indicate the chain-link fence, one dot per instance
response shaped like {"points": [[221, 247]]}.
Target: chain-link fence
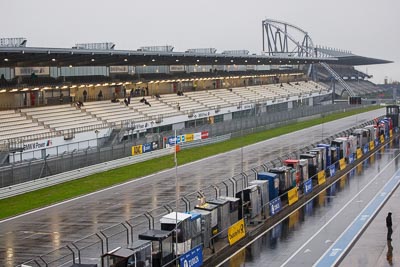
{"points": [[242, 123]]}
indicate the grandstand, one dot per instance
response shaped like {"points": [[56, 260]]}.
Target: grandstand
{"points": [[62, 117], [15, 125], [35, 122], [356, 79]]}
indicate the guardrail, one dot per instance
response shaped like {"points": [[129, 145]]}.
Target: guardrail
{"points": [[207, 141], [26, 187], [47, 181]]}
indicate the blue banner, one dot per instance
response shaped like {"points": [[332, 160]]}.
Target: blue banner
{"points": [[147, 147], [171, 140], [351, 158], [332, 170], [376, 142], [308, 186], [366, 149], [275, 206], [192, 258]]}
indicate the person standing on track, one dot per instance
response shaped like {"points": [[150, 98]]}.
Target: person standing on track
{"points": [[389, 226]]}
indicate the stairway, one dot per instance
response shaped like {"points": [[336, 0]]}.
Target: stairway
{"points": [[338, 78]]}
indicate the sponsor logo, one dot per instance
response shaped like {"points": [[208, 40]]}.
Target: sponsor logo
{"points": [[38, 145]]}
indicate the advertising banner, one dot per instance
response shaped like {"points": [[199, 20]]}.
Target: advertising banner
{"points": [[351, 158], [171, 140], [189, 137], [293, 196], [391, 133], [382, 139], [236, 232], [176, 68], [154, 145], [342, 164], [204, 135], [359, 153], [118, 69], [197, 136], [275, 206], [371, 145], [376, 142], [308, 186], [136, 150], [181, 139], [147, 147], [192, 258], [27, 71], [321, 177], [366, 149], [332, 170]]}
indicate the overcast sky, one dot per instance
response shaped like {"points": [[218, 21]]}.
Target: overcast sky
{"points": [[365, 27]]}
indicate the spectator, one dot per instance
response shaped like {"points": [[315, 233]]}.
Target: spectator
{"points": [[147, 103], [132, 92], [389, 226], [84, 95], [147, 90], [126, 101], [129, 100], [61, 98], [178, 107], [100, 95], [143, 100], [79, 104], [158, 95]]}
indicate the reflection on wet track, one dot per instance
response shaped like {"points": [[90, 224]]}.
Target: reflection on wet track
{"points": [[304, 236]]}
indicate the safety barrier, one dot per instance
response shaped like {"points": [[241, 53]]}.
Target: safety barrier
{"points": [[206, 141], [79, 173]]}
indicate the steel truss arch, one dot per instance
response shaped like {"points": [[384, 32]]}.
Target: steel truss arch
{"points": [[285, 39]]}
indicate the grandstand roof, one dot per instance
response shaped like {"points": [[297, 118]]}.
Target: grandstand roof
{"points": [[354, 60], [32, 56]]}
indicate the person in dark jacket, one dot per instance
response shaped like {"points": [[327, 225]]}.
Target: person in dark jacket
{"points": [[389, 226]]}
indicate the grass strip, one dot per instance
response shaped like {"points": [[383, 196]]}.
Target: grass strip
{"points": [[43, 197]]}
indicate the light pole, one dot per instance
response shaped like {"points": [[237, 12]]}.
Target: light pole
{"points": [[176, 199], [97, 137]]}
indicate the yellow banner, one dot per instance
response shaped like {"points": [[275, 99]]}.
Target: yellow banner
{"points": [[382, 139], [321, 177], [359, 153], [371, 145], [136, 150], [236, 232], [293, 196], [189, 137], [342, 164], [391, 133]]}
